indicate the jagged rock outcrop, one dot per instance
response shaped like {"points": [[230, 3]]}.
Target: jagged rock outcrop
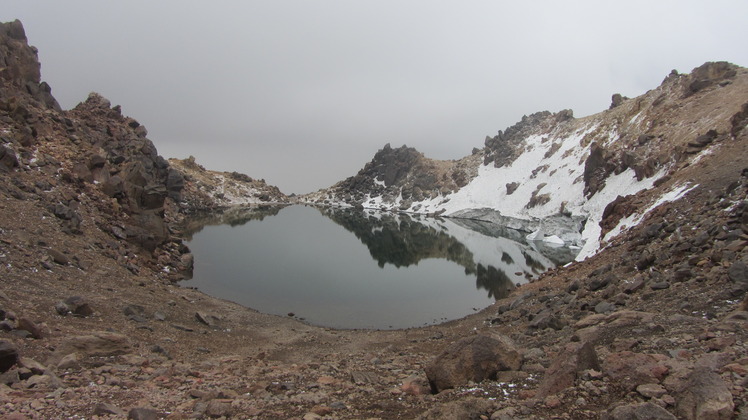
{"points": [[505, 147], [20, 66], [399, 177], [90, 166]]}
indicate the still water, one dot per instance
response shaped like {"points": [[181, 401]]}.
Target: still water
{"points": [[357, 269]]}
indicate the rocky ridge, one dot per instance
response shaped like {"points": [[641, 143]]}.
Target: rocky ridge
{"points": [[206, 190], [402, 176], [92, 325]]}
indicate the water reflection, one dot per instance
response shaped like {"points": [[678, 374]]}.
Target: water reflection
{"points": [[395, 271], [403, 239], [399, 239], [232, 216]]}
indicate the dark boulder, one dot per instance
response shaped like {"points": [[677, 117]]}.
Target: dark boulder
{"points": [[141, 413], [8, 159], [709, 74], [78, 305], [616, 100], [596, 170], [472, 359], [738, 273], [8, 355]]}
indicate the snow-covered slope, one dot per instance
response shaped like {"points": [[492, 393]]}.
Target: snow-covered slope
{"points": [[558, 173]]}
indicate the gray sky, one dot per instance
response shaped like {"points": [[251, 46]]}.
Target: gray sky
{"points": [[303, 93]]}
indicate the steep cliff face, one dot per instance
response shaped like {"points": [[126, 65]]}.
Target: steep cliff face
{"points": [[552, 166], [90, 167]]}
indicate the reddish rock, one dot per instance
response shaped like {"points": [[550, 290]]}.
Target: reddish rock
{"points": [[321, 410], [414, 385], [29, 325], [567, 366], [633, 369], [552, 401], [102, 343], [736, 368], [720, 343]]}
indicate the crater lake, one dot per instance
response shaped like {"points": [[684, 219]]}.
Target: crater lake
{"points": [[353, 268]]}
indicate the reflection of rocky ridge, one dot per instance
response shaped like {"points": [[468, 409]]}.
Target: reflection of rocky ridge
{"points": [[232, 216], [401, 240]]}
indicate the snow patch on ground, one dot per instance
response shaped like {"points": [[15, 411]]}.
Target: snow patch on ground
{"points": [[636, 218], [622, 184], [558, 175]]}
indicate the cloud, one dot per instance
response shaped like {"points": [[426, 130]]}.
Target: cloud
{"points": [[303, 93]]}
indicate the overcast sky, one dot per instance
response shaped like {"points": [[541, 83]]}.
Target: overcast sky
{"points": [[303, 93]]}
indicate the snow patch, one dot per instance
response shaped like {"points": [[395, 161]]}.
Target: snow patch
{"points": [[622, 184], [553, 240], [636, 218]]}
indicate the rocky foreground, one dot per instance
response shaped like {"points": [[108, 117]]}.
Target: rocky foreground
{"points": [[93, 325]]}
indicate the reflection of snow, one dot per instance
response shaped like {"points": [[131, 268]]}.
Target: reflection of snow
{"points": [[553, 240], [539, 235], [515, 259], [536, 236]]}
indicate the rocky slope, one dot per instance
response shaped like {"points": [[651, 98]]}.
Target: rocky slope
{"points": [[90, 168], [206, 190], [92, 325], [567, 170]]}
